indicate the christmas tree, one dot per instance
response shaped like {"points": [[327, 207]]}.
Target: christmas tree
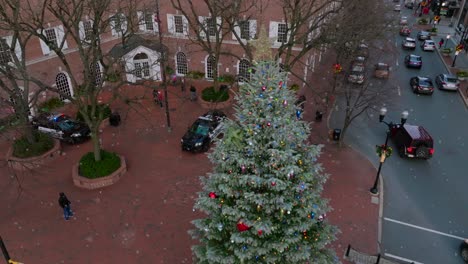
{"points": [[262, 199]]}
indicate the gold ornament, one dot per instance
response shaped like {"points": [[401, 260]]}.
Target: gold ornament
{"points": [[259, 207], [299, 162], [282, 143]]}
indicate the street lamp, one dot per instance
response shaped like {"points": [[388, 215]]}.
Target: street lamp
{"points": [[448, 37], [455, 58], [391, 126]]}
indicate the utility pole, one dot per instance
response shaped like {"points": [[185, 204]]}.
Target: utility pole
{"points": [[162, 63]]}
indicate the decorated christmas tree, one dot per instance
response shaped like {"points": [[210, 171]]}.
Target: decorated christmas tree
{"points": [[263, 199]]}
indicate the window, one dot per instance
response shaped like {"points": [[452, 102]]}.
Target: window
{"points": [[118, 24], [149, 21], [88, 30], [50, 35], [63, 86], [95, 71], [5, 55], [282, 30], [55, 38], [181, 63], [141, 64], [178, 24], [244, 73], [210, 61], [244, 29], [210, 23]]}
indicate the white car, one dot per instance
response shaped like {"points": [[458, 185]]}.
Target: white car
{"points": [[404, 20], [428, 45], [409, 43], [397, 8]]}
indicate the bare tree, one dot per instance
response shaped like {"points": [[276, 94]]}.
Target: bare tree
{"points": [[353, 39], [94, 62]]}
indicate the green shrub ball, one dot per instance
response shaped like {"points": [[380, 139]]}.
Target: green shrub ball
{"points": [[92, 169], [209, 94], [23, 149]]}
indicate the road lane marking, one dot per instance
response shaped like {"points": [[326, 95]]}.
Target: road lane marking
{"points": [[399, 91], [402, 259], [423, 228]]}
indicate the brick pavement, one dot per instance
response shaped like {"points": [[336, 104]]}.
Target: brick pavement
{"points": [[144, 218]]}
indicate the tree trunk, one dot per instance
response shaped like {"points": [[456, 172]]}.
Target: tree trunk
{"points": [[95, 137], [26, 127], [344, 130]]}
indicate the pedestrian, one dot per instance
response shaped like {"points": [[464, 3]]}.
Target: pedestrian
{"points": [[160, 98], [65, 204], [182, 84], [174, 79], [441, 42], [193, 93]]}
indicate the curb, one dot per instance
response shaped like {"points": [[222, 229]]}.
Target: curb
{"points": [[465, 100]]}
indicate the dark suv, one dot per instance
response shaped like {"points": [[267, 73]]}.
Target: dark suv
{"points": [[413, 141]]}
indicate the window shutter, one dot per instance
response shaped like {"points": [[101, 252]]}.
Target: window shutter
{"points": [[202, 25], [141, 21], [155, 23], [61, 37], [81, 31], [218, 25], [112, 25], [237, 30], [252, 28], [124, 23], [170, 24], [186, 25], [45, 49], [273, 33], [18, 51]]}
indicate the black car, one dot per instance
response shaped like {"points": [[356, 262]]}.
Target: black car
{"points": [[423, 35], [413, 141], [62, 127], [203, 131], [413, 61], [422, 85]]}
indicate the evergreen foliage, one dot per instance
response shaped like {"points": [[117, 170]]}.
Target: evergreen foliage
{"points": [[263, 199]]}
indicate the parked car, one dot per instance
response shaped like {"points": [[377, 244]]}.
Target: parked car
{"points": [[62, 127], [423, 35], [409, 4], [413, 141], [405, 31], [203, 131], [413, 61], [422, 85], [382, 70], [447, 82], [397, 8], [363, 50], [356, 74], [428, 45], [403, 20], [408, 43]]}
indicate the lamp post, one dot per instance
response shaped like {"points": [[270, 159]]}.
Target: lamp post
{"points": [[391, 126], [455, 58], [448, 38]]}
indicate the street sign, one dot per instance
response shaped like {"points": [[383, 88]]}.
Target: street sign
{"points": [[436, 18], [459, 48]]}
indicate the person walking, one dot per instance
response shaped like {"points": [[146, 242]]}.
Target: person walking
{"points": [[65, 204], [193, 93], [441, 42], [158, 97]]}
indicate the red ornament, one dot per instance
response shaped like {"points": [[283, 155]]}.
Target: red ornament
{"points": [[281, 83], [268, 124], [260, 232], [242, 227], [273, 183], [212, 195], [263, 88]]}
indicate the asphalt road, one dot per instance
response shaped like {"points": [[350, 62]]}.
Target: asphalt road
{"points": [[425, 210]]}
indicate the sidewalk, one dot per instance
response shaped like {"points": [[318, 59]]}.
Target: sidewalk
{"points": [[144, 218]]}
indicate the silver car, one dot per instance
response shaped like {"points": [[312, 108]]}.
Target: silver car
{"points": [[447, 82], [428, 45]]}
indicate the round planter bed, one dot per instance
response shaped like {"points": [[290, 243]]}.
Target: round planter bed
{"points": [[100, 182], [217, 105], [33, 162]]}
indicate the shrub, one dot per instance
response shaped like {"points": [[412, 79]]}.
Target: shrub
{"points": [[92, 169], [211, 95], [422, 21], [462, 74], [101, 107], [113, 77], [227, 78], [447, 50], [23, 149], [195, 74], [434, 30], [51, 104], [295, 87], [169, 71]]}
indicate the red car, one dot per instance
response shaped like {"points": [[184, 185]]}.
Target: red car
{"points": [[405, 31]]}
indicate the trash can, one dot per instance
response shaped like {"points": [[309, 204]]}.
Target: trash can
{"points": [[318, 115], [336, 134], [114, 119]]}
